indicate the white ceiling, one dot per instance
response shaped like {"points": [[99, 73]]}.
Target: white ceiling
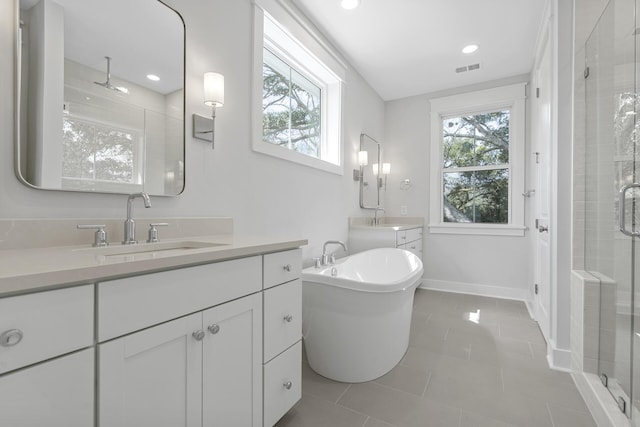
{"points": [[142, 37], [409, 47]]}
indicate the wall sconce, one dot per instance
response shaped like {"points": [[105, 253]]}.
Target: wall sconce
{"points": [[363, 160], [386, 170], [204, 127]]}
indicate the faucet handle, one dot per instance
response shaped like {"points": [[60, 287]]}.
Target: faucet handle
{"points": [[332, 259], [153, 231], [100, 237], [316, 262]]}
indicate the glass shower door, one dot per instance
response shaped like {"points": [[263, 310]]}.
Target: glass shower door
{"points": [[610, 204]]}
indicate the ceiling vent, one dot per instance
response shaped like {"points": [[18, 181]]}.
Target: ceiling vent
{"points": [[468, 68]]}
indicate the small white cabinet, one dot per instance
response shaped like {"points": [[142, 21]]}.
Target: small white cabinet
{"points": [[49, 335], [362, 238], [198, 370]]}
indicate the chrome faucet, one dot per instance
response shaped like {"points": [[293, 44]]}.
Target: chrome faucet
{"points": [[326, 259], [376, 220], [129, 224]]}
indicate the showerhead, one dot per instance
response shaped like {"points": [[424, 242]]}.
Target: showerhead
{"points": [[107, 84]]}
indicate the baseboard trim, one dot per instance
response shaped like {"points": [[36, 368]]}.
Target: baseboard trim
{"points": [[474, 289], [558, 358], [603, 408]]}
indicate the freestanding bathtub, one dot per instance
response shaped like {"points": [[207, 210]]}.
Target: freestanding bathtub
{"points": [[356, 313]]}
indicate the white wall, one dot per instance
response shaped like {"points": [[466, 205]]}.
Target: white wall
{"points": [[490, 265], [264, 195]]}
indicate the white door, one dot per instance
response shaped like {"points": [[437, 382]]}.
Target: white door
{"points": [[153, 378], [541, 163], [232, 364], [58, 393]]}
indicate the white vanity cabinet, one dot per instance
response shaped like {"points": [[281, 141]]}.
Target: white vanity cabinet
{"points": [[198, 370], [46, 359], [362, 238], [282, 334], [214, 344]]}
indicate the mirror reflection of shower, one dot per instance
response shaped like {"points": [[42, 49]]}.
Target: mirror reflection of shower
{"points": [[107, 84]]}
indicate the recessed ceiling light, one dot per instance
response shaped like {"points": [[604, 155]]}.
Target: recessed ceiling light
{"points": [[470, 48], [153, 77], [350, 4]]}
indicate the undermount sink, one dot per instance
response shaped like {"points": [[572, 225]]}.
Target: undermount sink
{"points": [[141, 248]]}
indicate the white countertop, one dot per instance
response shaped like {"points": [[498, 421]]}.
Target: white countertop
{"points": [[38, 269], [396, 227]]}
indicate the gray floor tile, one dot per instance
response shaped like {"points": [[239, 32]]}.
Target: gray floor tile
{"points": [[311, 411], [472, 362], [405, 378], [469, 419], [319, 386], [523, 330], [564, 417], [372, 422], [397, 407]]}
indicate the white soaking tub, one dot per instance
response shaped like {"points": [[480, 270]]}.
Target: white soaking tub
{"points": [[356, 313]]}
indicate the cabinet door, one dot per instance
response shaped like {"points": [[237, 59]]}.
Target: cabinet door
{"points": [[58, 393], [153, 378], [232, 364]]}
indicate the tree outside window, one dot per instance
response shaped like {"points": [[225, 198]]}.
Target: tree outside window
{"points": [[291, 113], [475, 168]]}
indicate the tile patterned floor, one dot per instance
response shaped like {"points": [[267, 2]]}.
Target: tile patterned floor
{"points": [[472, 362]]}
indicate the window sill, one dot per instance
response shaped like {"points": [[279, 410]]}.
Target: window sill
{"points": [[478, 229], [295, 157]]}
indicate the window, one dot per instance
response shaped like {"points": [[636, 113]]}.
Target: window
{"points": [[477, 140], [297, 91]]}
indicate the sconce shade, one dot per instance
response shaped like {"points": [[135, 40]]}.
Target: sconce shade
{"points": [[363, 158], [375, 169], [386, 168], [214, 89]]}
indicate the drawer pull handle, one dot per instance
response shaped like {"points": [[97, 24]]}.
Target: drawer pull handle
{"points": [[214, 329], [403, 237], [287, 385], [287, 267], [288, 318], [198, 335], [11, 337]]}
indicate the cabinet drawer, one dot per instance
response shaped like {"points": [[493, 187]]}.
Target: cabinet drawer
{"points": [[56, 393], [134, 303], [282, 384], [43, 325], [413, 234], [282, 267], [414, 247], [282, 318], [406, 236]]}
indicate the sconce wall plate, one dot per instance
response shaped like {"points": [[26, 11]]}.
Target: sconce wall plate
{"points": [[203, 128]]}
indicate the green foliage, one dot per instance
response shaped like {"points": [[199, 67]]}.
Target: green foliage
{"points": [[291, 113], [472, 194], [96, 152]]}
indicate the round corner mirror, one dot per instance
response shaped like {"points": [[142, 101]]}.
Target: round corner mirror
{"points": [[100, 96]]}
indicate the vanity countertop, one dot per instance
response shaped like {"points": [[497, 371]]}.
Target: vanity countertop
{"points": [[38, 269], [396, 227], [386, 223]]}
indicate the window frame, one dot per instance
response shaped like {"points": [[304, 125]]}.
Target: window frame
{"points": [[280, 30], [510, 98]]}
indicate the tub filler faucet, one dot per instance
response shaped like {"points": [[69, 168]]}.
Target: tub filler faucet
{"points": [[330, 259], [129, 224]]}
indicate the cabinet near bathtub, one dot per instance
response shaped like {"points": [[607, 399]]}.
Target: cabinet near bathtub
{"points": [[214, 344], [364, 238]]}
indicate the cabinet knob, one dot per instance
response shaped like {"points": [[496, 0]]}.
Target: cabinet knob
{"points": [[287, 385], [198, 335], [11, 337], [288, 318], [287, 267], [214, 329]]}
